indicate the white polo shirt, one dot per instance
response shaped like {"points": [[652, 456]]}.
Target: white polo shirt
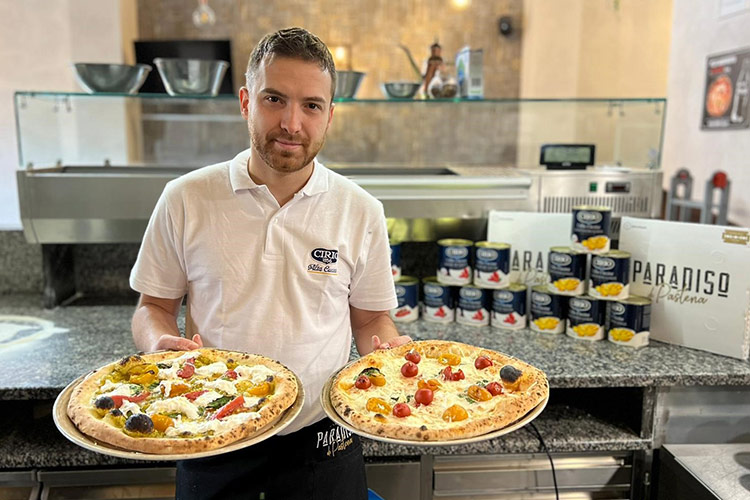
{"points": [[276, 281]]}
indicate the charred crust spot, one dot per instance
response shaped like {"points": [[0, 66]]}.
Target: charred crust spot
{"points": [[347, 411], [423, 428], [419, 434]]}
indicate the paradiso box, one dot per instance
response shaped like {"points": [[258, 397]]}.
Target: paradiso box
{"points": [[698, 279], [532, 234]]}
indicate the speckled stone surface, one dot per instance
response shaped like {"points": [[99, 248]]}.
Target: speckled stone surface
{"points": [[33, 372], [723, 468], [99, 334], [20, 264]]}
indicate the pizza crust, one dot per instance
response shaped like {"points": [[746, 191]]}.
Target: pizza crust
{"points": [[81, 411], [422, 425]]}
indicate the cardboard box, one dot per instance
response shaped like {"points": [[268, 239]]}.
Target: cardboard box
{"points": [[469, 73], [530, 235], [698, 279]]}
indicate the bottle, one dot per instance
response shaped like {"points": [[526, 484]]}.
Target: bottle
{"points": [[429, 84], [740, 106]]}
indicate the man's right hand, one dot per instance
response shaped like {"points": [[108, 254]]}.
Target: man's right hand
{"points": [[175, 343]]}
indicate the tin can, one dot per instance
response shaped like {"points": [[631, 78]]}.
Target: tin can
{"points": [[491, 264], [473, 306], [629, 320], [586, 317], [438, 301], [408, 306], [547, 311], [396, 261], [509, 307], [567, 271], [610, 275], [591, 228], [454, 267]]}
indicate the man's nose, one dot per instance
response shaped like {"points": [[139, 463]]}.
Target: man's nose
{"points": [[291, 121]]}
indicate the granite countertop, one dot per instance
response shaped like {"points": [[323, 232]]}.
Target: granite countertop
{"points": [[38, 362], [41, 359], [724, 469]]}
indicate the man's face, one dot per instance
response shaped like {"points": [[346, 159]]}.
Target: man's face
{"points": [[288, 111]]}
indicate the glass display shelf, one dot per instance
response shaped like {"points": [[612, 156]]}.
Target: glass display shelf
{"points": [[157, 130]]}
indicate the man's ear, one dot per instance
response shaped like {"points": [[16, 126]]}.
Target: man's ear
{"points": [[330, 113], [244, 102]]}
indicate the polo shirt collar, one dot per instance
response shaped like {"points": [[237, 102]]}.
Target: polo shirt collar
{"points": [[240, 179]]}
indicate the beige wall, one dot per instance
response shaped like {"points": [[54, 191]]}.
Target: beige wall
{"points": [[38, 41], [602, 48], [410, 133], [372, 28], [594, 49]]}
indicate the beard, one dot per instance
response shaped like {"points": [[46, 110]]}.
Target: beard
{"points": [[285, 161]]}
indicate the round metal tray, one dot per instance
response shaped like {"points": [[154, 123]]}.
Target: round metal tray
{"points": [[325, 399], [70, 431]]}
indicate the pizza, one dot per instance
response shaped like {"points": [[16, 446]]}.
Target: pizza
{"points": [[436, 390], [181, 402], [719, 96]]}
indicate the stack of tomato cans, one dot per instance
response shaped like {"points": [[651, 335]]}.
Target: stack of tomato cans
{"points": [[589, 286]]}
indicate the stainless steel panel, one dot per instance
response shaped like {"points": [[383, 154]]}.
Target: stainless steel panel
{"points": [[145, 475], [560, 191], [702, 415], [113, 204], [394, 481], [519, 474]]}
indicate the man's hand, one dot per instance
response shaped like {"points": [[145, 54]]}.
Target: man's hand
{"points": [[394, 342], [174, 343]]}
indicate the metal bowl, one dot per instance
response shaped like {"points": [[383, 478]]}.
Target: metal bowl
{"points": [[347, 83], [116, 78], [400, 90], [183, 77]]}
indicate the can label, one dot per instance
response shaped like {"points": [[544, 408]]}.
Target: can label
{"points": [[454, 267], [567, 271], [548, 311], [492, 266], [586, 318], [408, 307], [396, 261], [628, 323], [509, 308], [438, 302], [610, 276], [591, 229], [473, 306]]}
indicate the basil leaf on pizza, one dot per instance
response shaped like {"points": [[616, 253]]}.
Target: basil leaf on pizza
{"points": [[436, 390], [179, 402]]}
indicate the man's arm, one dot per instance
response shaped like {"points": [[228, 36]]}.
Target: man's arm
{"points": [[154, 326], [374, 330]]}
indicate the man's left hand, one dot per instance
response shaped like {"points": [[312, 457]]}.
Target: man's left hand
{"points": [[394, 342]]}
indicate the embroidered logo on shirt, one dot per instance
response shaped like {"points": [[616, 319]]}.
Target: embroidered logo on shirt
{"points": [[324, 261]]}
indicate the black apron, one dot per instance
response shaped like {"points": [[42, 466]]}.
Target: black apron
{"points": [[319, 462]]}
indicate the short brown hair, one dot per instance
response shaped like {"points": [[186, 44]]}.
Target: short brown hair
{"points": [[295, 43]]}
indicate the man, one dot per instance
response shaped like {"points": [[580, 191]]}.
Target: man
{"points": [[278, 256]]}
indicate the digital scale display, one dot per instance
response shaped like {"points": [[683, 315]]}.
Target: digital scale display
{"points": [[567, 156]]}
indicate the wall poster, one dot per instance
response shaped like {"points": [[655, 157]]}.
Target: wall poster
{"points": [[726, 103]]}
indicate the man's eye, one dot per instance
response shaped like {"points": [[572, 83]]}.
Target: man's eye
{"points": [[273, 98], [312, 105]]}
